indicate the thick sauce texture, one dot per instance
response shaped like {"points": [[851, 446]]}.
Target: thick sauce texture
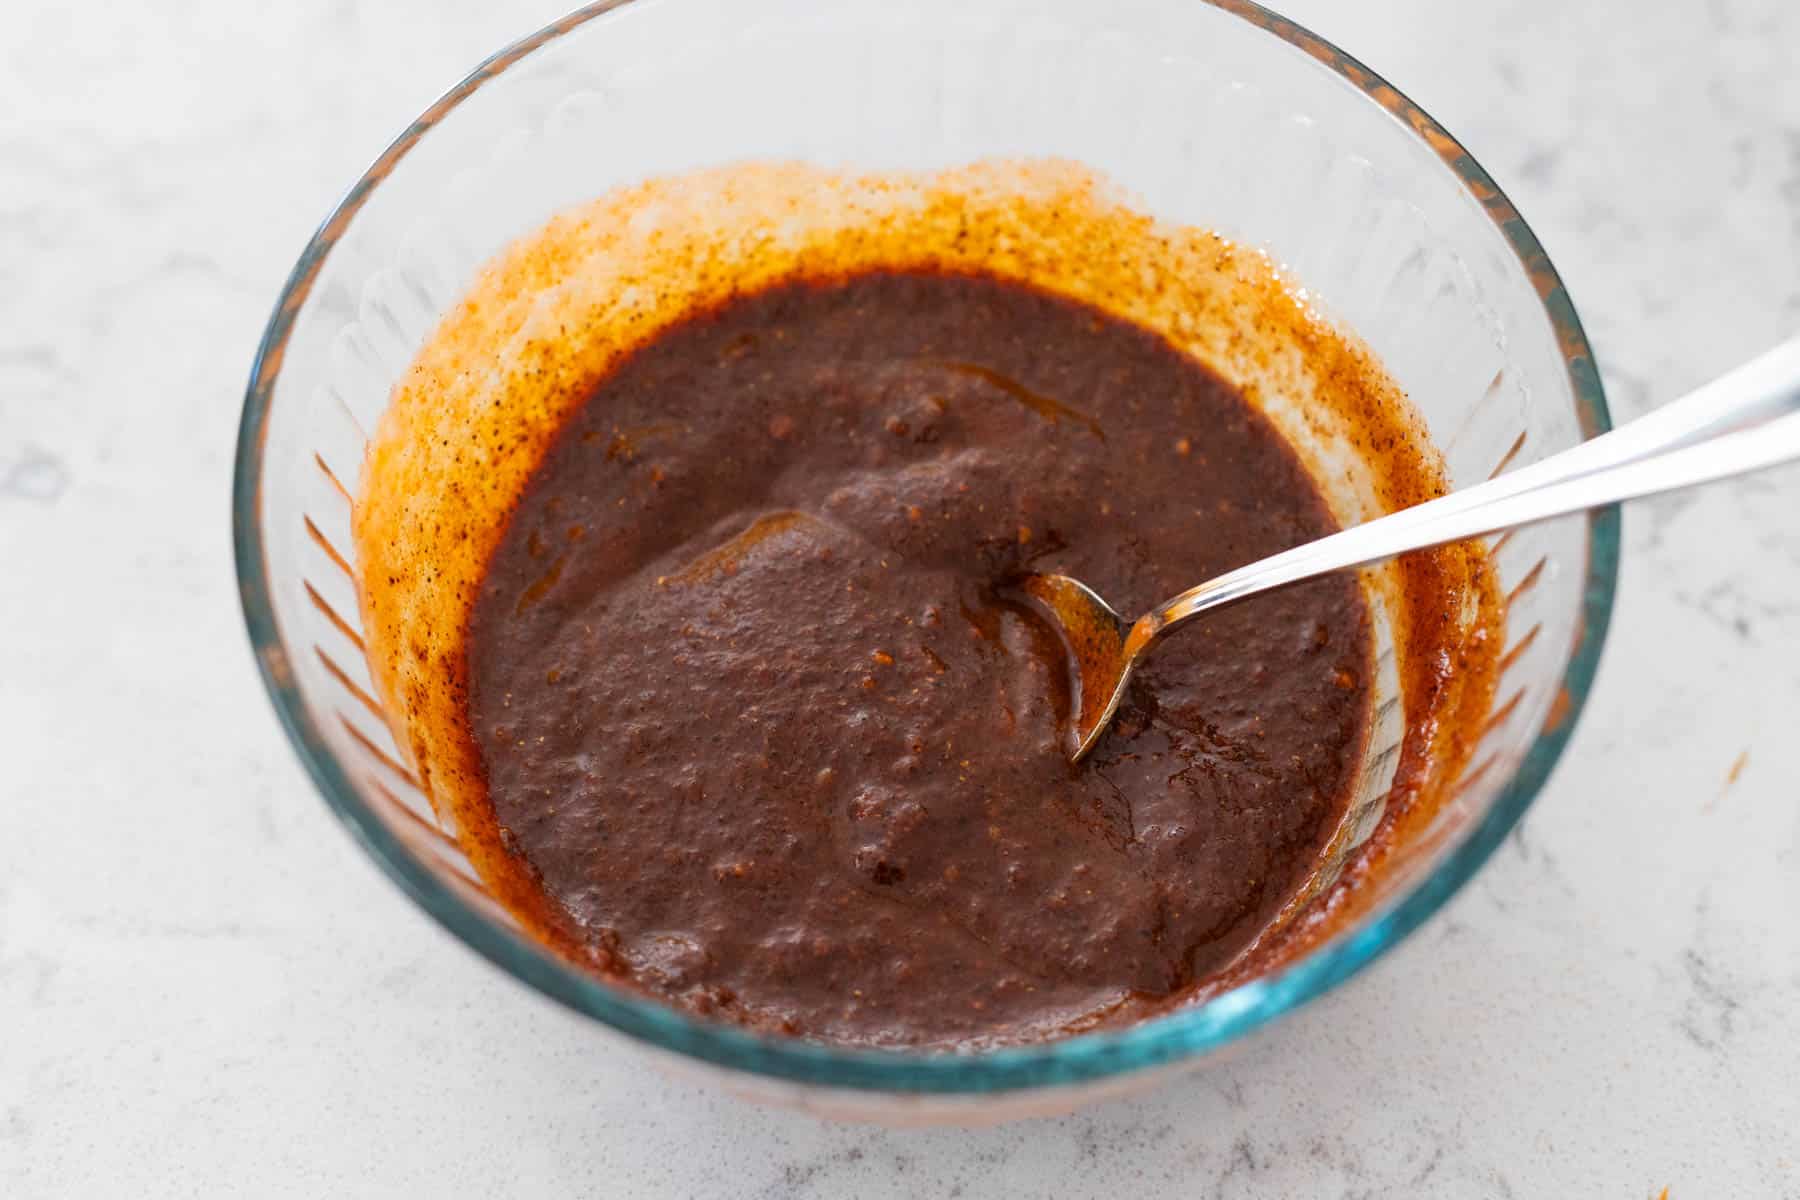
{"points": [[683, 554], [759, 707]]}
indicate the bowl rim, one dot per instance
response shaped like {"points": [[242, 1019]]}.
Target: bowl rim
{"points": [[1087, 1057]]}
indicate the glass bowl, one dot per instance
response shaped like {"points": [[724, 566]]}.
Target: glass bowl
{"points": [[1218, 114]]}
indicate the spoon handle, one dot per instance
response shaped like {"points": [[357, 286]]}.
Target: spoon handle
{"points": [[1743, 421]]}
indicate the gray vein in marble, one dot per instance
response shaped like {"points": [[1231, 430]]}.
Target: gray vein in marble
{"points": [[35, 475]]}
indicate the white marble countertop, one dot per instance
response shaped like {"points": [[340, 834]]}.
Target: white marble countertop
{"points": [[206, 989]]}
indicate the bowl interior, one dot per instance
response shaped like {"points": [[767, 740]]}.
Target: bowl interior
{"points": [[1213, 114]]}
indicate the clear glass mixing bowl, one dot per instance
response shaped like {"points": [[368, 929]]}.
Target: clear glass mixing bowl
{"points": [[1218, 114]]}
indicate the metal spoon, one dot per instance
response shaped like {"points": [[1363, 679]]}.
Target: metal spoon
{"points": [[1743, 421]]}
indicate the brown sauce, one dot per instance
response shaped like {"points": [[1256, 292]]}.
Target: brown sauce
{"points": [[685, 551], [756, 705]]}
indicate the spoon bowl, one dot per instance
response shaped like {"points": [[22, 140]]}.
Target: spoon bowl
{"points": [[1096, 639]]}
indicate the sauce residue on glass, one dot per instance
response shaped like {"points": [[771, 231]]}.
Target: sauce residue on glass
{"points": [[724, 694]]}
